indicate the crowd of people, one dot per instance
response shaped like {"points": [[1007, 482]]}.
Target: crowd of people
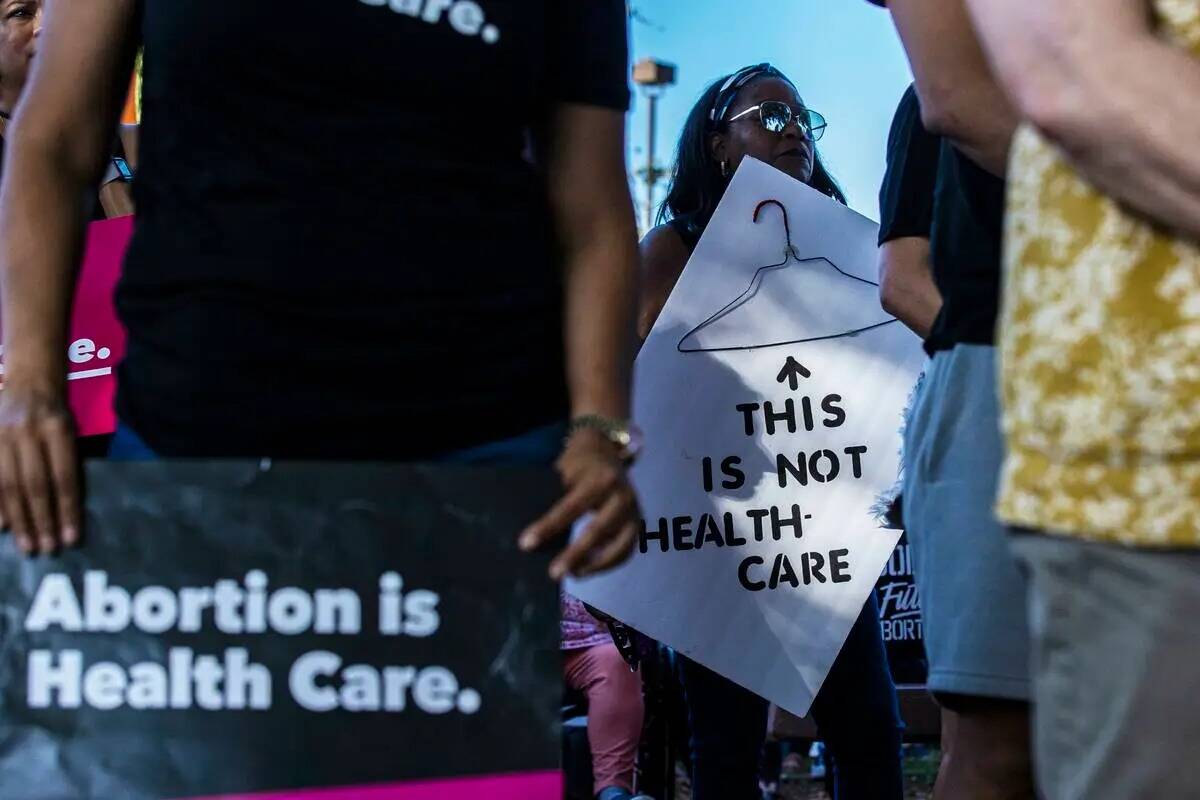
{"points": [[1040, 231]]}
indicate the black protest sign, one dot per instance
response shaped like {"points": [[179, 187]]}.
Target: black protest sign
{"points": [[900, 617], [234, 628]]}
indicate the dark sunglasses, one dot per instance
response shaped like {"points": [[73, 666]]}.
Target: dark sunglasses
{"points": [[775, 116]]}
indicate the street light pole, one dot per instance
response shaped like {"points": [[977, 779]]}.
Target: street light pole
{"points": [[654, 77], [652, 172]]}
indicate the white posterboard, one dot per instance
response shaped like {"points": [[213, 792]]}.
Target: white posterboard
{"points": [[765, 367]]}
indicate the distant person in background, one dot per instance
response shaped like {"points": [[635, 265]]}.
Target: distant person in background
{"points": [[335, 264], [20, 31], [975, 632], [1101, 353], [593, 665], [758, 112], [20, 26]]}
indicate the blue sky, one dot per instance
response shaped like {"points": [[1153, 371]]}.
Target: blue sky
{"points": [[842, 54]]}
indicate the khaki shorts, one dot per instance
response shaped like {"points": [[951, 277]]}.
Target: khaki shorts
{"points": [[1116, 669]]}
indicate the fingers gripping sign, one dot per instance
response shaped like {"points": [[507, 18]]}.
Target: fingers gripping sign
{"points": [[39, 478], [595, 481]]}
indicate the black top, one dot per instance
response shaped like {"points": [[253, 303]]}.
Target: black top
{"points": [[686, 231], [906, 196], [968, 223], [342, 249], [932, 189]]}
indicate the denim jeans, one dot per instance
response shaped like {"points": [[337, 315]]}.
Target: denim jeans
{"points": [[126, 445], [856, 711]]}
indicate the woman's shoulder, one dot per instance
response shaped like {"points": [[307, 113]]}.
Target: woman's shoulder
{"points": [[664, 237], [664, 255], [676, 235], [665, 251], [688, 229]]}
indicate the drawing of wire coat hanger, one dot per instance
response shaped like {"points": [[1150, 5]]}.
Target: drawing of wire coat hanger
{"points": [[857, 297]]}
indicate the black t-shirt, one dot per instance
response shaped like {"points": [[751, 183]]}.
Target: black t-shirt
{"points": [[342, 248], [909, 184], [968, 222], [932, 189]]}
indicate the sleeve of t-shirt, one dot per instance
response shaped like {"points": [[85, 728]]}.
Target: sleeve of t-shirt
{"points": [[906, 197], [590, 47]]}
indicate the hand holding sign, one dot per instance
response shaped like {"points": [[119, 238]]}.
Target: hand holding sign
{"points": [[595, 480], [39, 484]]}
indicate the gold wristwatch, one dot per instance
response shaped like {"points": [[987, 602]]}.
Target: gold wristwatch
{"points": [[622, 433]]}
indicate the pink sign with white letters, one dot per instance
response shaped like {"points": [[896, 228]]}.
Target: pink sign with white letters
{"points": [[96, 342]]}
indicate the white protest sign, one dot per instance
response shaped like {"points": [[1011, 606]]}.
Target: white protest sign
{"points": [[771, 392]]}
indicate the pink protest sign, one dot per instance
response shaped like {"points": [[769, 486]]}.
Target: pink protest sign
{"points": [[522, 786], [97, 341]]}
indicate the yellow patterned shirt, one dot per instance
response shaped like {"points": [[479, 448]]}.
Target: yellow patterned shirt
{"points": [[1100, 349]]}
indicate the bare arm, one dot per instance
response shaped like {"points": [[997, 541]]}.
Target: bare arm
{"points": [[58, 145], [664, 256], [1123, 104], [960, 97], [129, 143], [116, 197], [906, 287], [589, 192]]}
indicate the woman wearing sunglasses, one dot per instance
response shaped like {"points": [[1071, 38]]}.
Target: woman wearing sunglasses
{"points": [[757, 112]]}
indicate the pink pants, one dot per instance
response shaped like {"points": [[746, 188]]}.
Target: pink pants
{"points": [[615, 711]]}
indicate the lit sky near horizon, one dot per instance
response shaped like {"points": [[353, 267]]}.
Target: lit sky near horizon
{"points": [[843, 55]]}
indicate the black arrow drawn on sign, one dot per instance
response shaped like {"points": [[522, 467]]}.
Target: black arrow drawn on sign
{"points": [[792, 372]]}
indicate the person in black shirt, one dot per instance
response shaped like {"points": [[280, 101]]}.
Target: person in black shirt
{"points": [[856, 710], [972, 596], [336, 263], [906, 287]]}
